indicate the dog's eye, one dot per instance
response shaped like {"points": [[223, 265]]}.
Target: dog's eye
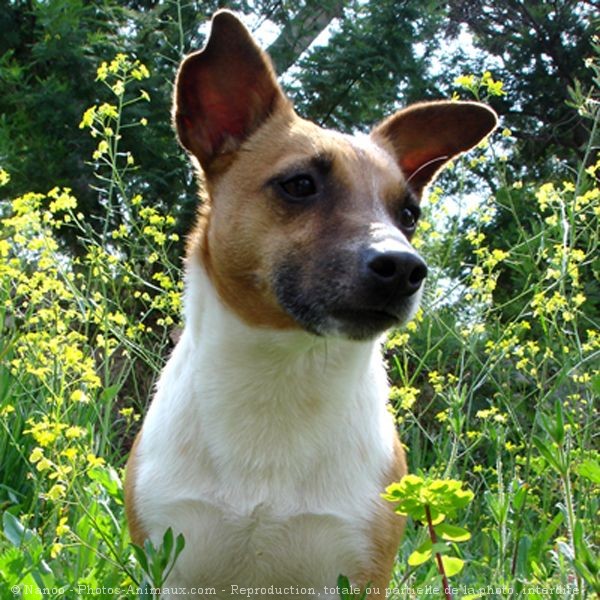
{"points": [[299, 187], [409, 216]]}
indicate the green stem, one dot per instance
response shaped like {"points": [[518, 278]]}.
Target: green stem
{"points": [[566, 482]]}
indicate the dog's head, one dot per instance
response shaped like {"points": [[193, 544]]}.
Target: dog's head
{"points": [[306, 227]]}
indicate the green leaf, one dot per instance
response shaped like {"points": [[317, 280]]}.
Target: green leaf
{"points": [[519, 497], [596, 384], [522, 562], [422, 554], [582, 549], [452, 533], [108, 478], [590, 469], [34, 591], [15, 531], [559, 430], [109, 393], [552, 459], [141, 557], [541, 540], [452, 565], [179, 545], [344, 588], [167, 547]]}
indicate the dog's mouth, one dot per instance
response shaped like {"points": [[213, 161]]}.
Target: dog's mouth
{"points": [[366, 317], [348, 305], [367, 323]]}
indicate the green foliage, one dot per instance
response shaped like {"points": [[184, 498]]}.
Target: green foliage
{"points": [[414, 494], [536, 49], [349, 592], [157, 563], [367, 66], [432, 501]]}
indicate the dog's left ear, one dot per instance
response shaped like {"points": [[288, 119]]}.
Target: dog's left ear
{"points": [[425, 136]]}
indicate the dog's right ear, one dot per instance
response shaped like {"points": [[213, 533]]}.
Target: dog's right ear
{"points": [[224, 92]]}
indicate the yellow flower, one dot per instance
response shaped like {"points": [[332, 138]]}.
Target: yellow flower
{"points": [[102, 72], [43, 465], [94, 461], [63, 201], [406, 396], [57, 491], [118, 62], [55, 549], [101, 150], [62, 528], [88, 117], [6, 410], [70, 453], [546, 195], [119, 88], [486, 413], [140, 72], [74, 432], [108, 110], [79, 396], [466, 81], [4, 177], [495, 88], [61, 472], [118, 318], [442, 416], [36, 455]]}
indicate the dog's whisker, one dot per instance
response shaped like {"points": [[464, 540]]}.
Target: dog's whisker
{"points": [[440, 159]]}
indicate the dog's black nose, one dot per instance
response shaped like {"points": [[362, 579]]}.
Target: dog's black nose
{"points": [[396, 272]]}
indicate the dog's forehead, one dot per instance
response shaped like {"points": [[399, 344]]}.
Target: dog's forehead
{"points": [[368, 150]]}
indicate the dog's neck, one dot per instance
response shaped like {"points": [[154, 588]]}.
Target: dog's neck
{"points": [[250, 391], [213, 327]]}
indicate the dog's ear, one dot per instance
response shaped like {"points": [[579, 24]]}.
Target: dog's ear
{"points": [[224, 91], [425, 136]]}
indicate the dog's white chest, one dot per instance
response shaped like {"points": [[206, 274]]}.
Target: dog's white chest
{"points": [[278, 556], [269, 464]]}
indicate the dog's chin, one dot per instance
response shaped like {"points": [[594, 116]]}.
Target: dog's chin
{"points": [[363, 324], [354, 323], [357, 324]]}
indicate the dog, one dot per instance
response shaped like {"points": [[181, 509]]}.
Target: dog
{"points": [[268, 442]]}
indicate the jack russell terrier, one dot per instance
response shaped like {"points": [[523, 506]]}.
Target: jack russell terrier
{"points": [[269, 442]]}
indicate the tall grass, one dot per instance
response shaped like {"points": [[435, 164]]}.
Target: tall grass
{"points": [[495, 388]]}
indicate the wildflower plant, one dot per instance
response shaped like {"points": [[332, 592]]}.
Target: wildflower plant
{"points": [[506, 344], [82, 340], [431, 502]]}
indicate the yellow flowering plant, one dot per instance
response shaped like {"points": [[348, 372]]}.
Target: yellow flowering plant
{"points": [[475, 380], [81, 340]]}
